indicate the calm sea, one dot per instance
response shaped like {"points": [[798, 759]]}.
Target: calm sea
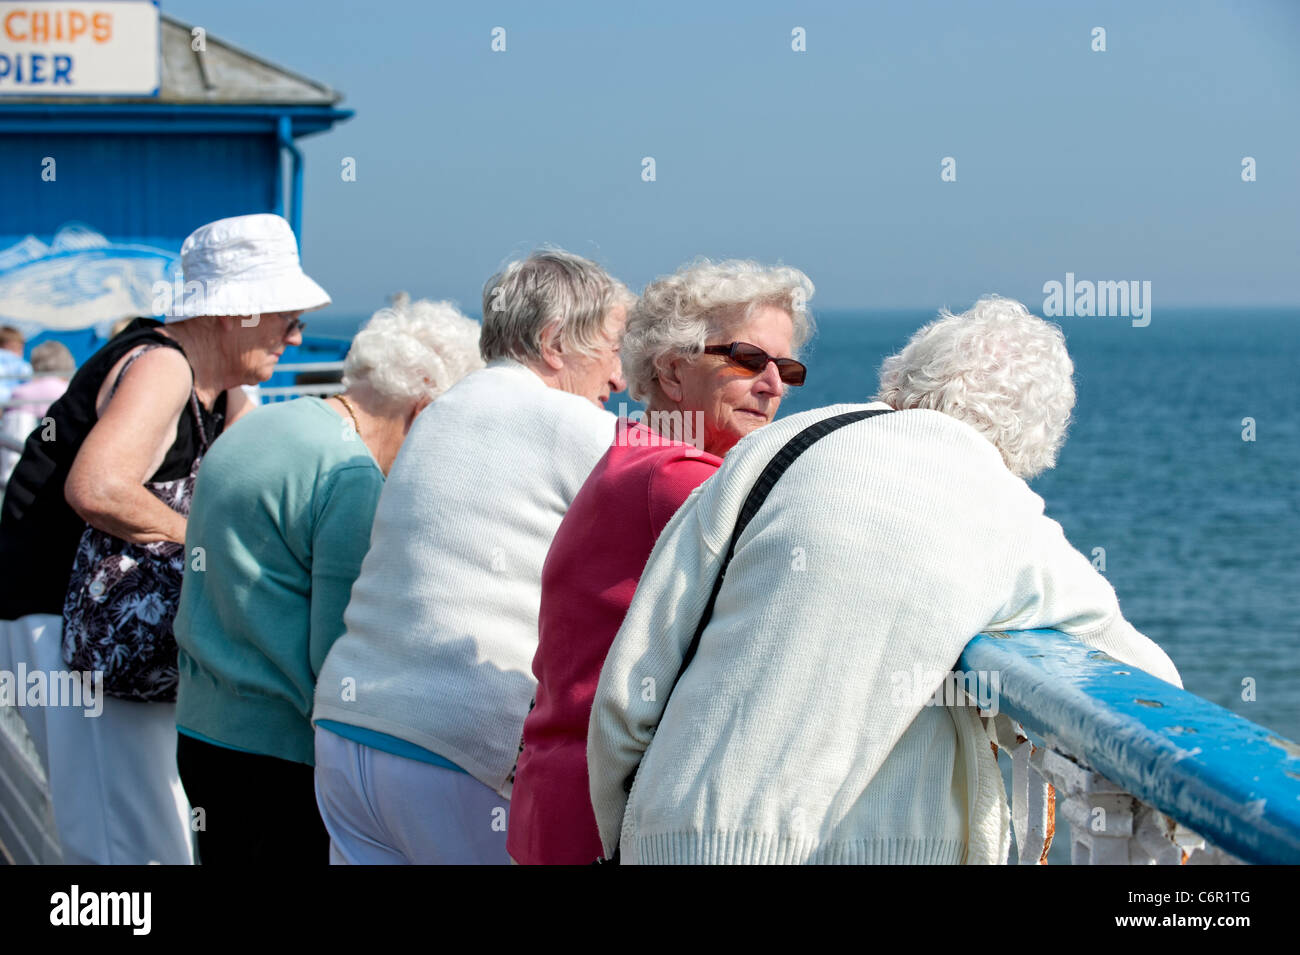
{"points": [[1200, 528]]}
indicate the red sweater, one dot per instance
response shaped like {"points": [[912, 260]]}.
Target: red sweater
{"points": [[588, 580]]}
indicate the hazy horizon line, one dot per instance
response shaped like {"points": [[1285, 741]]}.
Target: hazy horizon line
{"points": [[868, 309]]}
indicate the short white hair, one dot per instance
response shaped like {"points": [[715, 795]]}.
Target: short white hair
{"points": [[1000, 369], [549, 288], [677, 314], [53, 358], [413, 350]]}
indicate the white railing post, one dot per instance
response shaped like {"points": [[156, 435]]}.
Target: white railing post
{"points": [[1113, 742], [1033, 803], [1108, 826]]}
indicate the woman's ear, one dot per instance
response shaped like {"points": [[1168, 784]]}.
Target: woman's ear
{"points": [[552, 352], [670, 381]]}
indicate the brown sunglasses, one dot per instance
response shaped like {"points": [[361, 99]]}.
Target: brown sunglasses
{"points": [[753, 358]]}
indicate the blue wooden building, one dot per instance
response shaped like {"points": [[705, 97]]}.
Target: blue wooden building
{"points": [[97, 192]]}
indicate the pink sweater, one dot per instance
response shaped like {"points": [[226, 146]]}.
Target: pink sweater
{"points": [[41, 392], [588, 580]]}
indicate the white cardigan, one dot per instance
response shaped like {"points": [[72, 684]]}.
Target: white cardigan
{"points": [[887, 545], [442, 624]]}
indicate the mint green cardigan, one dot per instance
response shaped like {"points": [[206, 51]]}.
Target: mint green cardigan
{"points": [[278, 527]]}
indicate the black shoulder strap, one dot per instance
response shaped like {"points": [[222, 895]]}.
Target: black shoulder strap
{"points": [[757, 495], [779, 464], [161, 341]]}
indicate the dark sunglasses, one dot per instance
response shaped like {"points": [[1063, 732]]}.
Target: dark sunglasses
{"points": [[753, 358], [296, 325]]}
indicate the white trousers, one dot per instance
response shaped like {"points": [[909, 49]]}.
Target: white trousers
{"points": [[113, 781], [382, 809]]}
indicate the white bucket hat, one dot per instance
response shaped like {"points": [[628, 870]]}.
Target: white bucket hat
{"points": [[245, 265]]}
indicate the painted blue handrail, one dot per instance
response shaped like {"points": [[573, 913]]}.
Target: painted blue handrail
{"points": [[1233, 782]]}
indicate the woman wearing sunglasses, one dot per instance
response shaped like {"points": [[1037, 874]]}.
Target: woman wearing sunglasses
{"points": [[711, 351], [94, 522]]}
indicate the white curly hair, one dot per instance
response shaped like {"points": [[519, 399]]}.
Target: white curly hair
{"points": [[998, 368], [678, 313], [413, 350]]}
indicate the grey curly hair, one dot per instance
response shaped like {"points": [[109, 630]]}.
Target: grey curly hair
{"points": [[413, 350], [677, 313], [1000, 369]]}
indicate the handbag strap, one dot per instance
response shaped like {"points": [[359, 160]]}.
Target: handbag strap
{"points": [[767, 479], [779, 464], [204, 441]]}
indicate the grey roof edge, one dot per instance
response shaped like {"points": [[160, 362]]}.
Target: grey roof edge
{"points": [[311, 93], [334, 97]]}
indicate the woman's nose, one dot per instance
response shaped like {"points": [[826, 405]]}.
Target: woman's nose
{"points": [[770, 378]]}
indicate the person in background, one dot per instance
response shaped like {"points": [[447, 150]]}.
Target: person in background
{"points": [[113, 475], [711, 350], [282, 512], [803, 729], [420, 704], [52, 366], [13, 369]]}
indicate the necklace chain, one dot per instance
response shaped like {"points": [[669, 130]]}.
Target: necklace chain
{"points": [[347, 406]]}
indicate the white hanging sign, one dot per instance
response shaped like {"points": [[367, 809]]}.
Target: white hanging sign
{"points": [[109, 48]]}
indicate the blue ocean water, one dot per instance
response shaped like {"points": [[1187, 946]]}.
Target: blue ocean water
{"points": [[1200, 528]]}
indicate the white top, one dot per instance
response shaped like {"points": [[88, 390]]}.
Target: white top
{"points": [[796, 734], [442, 625]]}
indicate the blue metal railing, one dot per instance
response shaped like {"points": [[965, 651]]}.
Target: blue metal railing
{"points": [[1235, 783]]}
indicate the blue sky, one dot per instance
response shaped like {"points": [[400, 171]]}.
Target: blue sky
{"points": [[1122, 165]]}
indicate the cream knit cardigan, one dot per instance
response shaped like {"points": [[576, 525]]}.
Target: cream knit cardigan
{"points": [[442, 625], [883, 549]]}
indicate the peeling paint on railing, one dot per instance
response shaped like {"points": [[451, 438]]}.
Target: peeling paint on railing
{"points": [[1126, 750]]}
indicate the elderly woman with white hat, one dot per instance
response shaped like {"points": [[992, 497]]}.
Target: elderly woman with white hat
{"points": [[282, 511], [93, 527]]}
